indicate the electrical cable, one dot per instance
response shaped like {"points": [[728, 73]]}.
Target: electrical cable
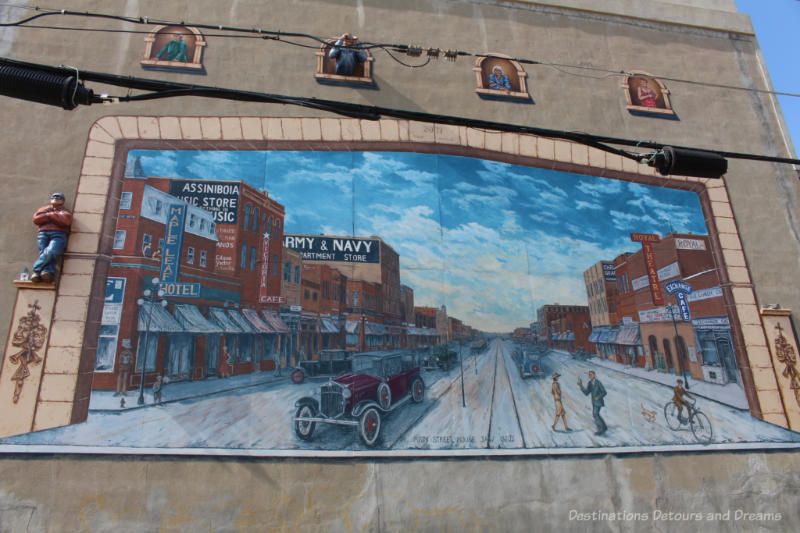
{"points": [[166, 89], [363, 45]]}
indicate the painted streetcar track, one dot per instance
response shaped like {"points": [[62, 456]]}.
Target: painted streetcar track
{"points": [[514, 401], [496, 348], [423, 412]]}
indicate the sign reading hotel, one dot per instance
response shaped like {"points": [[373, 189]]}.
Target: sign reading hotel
{"points": [[650, 263], [173, 242], [344, 249]]}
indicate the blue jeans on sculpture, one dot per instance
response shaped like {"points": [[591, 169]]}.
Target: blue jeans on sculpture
{"points": [[51, 246]]}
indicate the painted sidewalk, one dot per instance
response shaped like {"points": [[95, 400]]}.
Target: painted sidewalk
{"points": [[182, 390]]}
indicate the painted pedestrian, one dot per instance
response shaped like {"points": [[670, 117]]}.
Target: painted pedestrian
{"points": [[597, 392], [560, 413], [124, 370], [157, 388]]}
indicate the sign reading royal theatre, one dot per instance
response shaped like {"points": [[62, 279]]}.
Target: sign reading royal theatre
{"points": [[323, 248]]}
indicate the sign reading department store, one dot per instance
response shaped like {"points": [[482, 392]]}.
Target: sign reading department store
{"points": [[348, 250], [371, 280]]}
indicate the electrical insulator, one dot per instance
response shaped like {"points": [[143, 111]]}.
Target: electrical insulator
{"points": [[414, 51], [450, 55], [684, 162], [433, 52], [44, 87]]}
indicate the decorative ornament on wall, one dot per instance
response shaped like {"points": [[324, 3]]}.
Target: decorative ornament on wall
{"points": [[786, 356], [499, 77], [30, 336], [342, 61], [646, 94], [174, 48]]}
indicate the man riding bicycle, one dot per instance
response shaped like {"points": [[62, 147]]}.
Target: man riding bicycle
{"points": [[679, 398]]}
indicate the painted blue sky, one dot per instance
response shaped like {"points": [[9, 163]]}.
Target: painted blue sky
{"points": [[775, 23], [491, 241]]}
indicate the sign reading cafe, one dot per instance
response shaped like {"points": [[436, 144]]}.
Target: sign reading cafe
{"points": [[345, 249]]}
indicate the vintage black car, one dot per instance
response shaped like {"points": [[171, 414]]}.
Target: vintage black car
{"points": [[379, 383], [529, 362], [441, 357], [330, 363]]}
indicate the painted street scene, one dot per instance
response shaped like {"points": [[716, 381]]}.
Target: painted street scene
{"points": [[312, 302], [499, 408]]}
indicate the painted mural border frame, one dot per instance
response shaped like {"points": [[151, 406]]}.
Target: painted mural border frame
{"points": [[80, 292]]}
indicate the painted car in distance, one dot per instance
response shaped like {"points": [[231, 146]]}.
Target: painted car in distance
{"points": [[529, 362], [328, 363], [379, 383]]}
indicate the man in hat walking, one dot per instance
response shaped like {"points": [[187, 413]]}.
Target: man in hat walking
{"points": [[560, 413], [124, 370], [54, 222]]}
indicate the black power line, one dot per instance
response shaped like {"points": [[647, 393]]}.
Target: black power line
{"points": [[412, 51], [667, 159]]}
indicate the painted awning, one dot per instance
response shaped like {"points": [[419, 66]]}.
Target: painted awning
{"points": [[374, 328], [154, 318], [569, 336], [327, 326], [252, 316], [275, 321], [192, 321], [597, 333], [224, 320], [611, 338], [242, 322], [629, 335], [395, 330]]}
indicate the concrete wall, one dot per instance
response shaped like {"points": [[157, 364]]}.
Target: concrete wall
{"points": [[43, 150]]}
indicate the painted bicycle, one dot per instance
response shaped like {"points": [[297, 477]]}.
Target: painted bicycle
{"points": [[697, 421]]}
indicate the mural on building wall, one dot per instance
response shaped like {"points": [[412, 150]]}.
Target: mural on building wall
{"points": [[174, 48], [323, 302], [499, 77], [646, 94]]}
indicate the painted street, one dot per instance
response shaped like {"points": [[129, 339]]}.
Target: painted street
{"points": [[503, 410]]}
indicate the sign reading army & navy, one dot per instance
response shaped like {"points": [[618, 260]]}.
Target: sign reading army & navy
{"points": [[345, 249]]}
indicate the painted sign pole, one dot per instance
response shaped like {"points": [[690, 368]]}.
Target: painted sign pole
{"points": [[173, 243], [650, 263], [680, 289], [262, 289]]}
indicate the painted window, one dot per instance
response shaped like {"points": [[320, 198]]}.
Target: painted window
{"points": [[243, 259], [119, 239], [126, 200], [203, 258], [190, 255]]}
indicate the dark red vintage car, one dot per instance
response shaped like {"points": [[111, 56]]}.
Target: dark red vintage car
{"points": [[379, 383]]}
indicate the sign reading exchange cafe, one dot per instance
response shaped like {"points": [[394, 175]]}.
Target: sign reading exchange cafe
{"points": [[345, 249]]}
